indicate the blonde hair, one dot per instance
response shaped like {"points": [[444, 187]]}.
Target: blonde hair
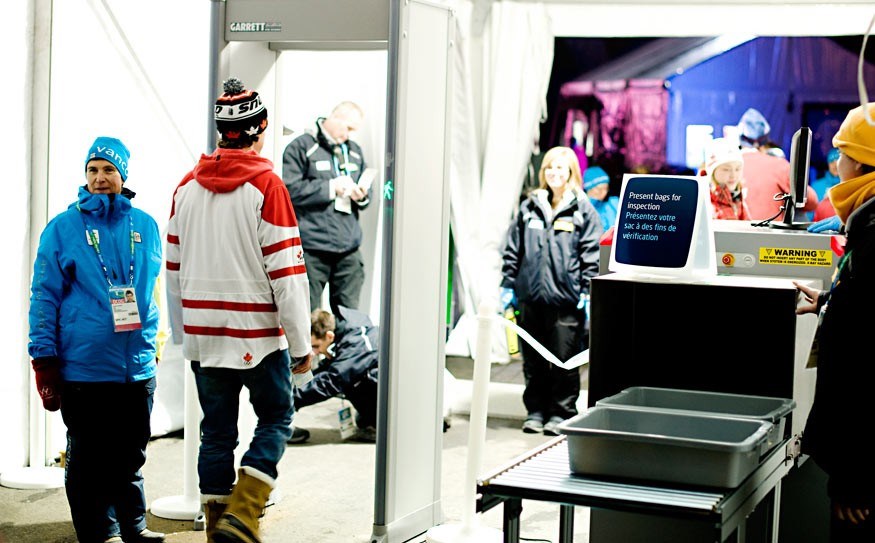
{"points": [[345, 109], [575, 180]]}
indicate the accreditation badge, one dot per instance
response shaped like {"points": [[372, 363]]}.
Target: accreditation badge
{"points": [[125, 313], [562, 225], [347, 425]]}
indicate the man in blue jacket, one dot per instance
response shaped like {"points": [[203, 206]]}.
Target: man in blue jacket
{"points": [[349, 341]]}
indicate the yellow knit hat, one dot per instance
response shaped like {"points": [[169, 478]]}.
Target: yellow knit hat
{"points": [[856, 137]]}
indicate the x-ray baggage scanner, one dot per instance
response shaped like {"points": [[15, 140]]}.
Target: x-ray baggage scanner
{"points": [[735, 331], [744, 249]]}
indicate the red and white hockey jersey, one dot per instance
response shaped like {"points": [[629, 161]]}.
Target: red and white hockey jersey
{"points": [[236, 280]]}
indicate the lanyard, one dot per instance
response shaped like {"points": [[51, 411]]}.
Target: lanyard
{"points": [[89, 232], [345, 152], [838, 272]]}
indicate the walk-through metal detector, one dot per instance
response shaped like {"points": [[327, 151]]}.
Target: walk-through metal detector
{"points": [[248, 37]]}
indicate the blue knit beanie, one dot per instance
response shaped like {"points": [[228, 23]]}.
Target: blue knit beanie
{"points": [[111, 150], [753, 127], [832, 155], [593, 177]]}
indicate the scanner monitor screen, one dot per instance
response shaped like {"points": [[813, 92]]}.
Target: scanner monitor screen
{"points": [[797, 192], [800, 160], [664, 227]]}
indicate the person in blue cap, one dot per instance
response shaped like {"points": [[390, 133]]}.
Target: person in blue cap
{"points": [[830, 177], [93, 345], [596, 183]]}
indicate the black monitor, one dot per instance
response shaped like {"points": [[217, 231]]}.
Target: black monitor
{"points": [[800, 159]]}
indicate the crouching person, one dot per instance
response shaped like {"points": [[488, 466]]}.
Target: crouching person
{"points": [[349, 341]]}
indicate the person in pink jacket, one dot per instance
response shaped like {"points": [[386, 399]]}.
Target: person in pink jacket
{"points": [[765, 175]]}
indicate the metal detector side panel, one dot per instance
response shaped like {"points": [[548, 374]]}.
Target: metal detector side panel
{"points": [[413, 323]]}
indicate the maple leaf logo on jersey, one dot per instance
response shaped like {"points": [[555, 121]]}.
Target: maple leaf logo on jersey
{"points": [[299, 256], [247, 359]]}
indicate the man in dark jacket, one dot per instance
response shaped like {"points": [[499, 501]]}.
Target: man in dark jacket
{"points": [[323, 173], [349, 342]]}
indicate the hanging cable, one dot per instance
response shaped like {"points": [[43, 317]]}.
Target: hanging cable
{"points": [[778, 197], [861, 83]]}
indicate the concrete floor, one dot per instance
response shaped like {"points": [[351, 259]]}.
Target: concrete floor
{"points": [[325, 487]]}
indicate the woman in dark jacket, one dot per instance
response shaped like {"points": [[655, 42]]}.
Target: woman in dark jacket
{"points": [[843, 407], [550, 256]]}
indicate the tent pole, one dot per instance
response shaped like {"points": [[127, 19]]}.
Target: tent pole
{"points": [[217, 43]]}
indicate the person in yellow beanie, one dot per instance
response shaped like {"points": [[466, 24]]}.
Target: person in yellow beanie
{"points": [[845, 373]]}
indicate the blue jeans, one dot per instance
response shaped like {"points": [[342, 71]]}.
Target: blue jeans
{"points": [[107, 433], [270, 393]]}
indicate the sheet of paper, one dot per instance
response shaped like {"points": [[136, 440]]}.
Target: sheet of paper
{"points": [[366, 179], [343, 204]]}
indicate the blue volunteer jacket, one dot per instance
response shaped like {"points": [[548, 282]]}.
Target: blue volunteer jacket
{"points": [[70, 314]]}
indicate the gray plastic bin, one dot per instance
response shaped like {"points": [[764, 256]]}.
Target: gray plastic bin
{"points": [[664, 446], [774, 410]]}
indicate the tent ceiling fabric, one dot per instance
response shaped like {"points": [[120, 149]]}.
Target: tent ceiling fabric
{"points": [[663, 58], [620, 18], [784, 77]]}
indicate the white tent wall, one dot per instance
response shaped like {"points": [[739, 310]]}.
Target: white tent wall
{"points": [[503, 66], [15, 242], [674, 18], [518, 59], [112, 73]]}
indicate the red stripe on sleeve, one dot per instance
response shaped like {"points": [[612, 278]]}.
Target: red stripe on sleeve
{"points": [[284, 272], [172, 239], [172, 266], [279, 246]]}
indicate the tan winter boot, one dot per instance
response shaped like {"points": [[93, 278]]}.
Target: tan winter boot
{"points": [[239, 523], [214, 506]]}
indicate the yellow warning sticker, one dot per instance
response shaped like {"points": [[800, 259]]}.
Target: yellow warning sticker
{"points": [[796, 257]]}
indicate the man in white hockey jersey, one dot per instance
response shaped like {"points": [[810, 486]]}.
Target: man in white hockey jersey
{"points": [[238, 292]]}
